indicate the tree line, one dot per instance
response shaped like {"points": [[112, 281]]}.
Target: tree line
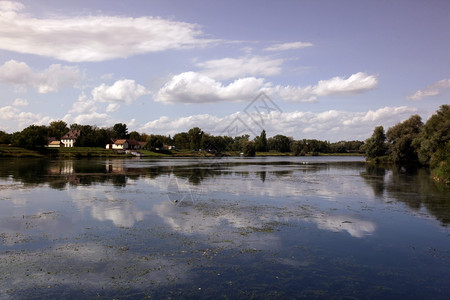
{"points": [[413, 142], [194, 139]]}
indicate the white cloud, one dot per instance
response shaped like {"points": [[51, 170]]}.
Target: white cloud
{"points": [[20, 102], [93, 118], [289, 46], [355, 84], [94, 37], [8, 6], [227, 68], [192, 87], [124, 90], [20, 75], [328, 125], [434, 89], [12, 119], [112, 107]]}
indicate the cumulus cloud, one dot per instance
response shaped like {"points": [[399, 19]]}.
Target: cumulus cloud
{"points": [[227, 68], [13, 119], [20, 102], [112, 107], [20, 75], [93, 118], [124, 90], [326, 125], [288, 46], [94, 37], [434, 89], [192, 87], [355, 84]]}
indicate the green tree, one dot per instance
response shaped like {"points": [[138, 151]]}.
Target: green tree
{"points": [[5, 138], [120, 131], [134, 135], [195, 137], [57, 129], [400, 138], [31, 137], [238, 142], [375, 146], [434, 135], [154, 142], [248, 148], [279, 143], [181, 140], [261, 142]]}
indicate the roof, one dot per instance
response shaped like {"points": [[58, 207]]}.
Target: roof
{"points": [[72, 134], [120, 142], [55, 143]]}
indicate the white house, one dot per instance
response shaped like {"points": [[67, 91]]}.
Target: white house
{"points": [[123, 144], [70, 138]]}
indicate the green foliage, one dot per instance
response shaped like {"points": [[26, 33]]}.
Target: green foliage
{"points": [[31, 137], [134, 135], [400, 138], [181, 140], [440, 163], [238, 142], [434, 135], [57, 129], [154, 142], [248, 148], [195, 137], [92, 136], [375, 146], [120, 131], [279, 143], [261, 142], [5, 138], [214, 144]]}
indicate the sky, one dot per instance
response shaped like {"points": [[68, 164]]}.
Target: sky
{"points": [[315, 69]]}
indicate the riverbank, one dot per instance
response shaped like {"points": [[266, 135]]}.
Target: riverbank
{"points": [[92, 152]]}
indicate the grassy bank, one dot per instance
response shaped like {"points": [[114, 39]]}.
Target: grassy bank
{"points": [[90, 152]]}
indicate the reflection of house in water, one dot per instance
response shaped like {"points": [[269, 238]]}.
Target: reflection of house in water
{"points": [[115, 166], [65, 167]]}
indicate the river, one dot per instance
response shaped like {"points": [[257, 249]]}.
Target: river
{"points": [[231, 228]]}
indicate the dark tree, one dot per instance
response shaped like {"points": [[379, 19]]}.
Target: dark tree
{"points": [[31, 137], [195, 137], [400, 138], [154, 142], [5, 138], [134, 135], [181, 140], [57, 129], [375, 146], [279, 143], [435, 135], [261, 142], [249, 148], [120, 131]]}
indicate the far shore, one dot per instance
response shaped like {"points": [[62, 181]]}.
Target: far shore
{"points": [[93, 152]]}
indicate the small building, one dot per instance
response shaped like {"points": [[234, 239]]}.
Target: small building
{"points": [[70, 138], [124, 144], [55, 144], [120, 144]]}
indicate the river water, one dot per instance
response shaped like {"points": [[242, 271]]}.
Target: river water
{"points": [[230, 228]]}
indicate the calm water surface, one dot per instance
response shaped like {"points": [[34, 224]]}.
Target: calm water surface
{"points": [[297, 227]]}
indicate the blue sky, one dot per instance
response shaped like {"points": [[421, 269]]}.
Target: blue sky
{"points": [[333, 69]]}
